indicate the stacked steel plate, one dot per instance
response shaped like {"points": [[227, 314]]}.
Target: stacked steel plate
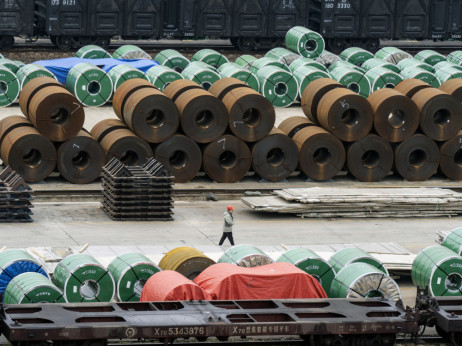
{"points": [[137, 193], [15, 197]]}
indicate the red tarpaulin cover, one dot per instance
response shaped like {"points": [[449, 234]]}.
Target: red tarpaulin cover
{"points": [[168, 285], [224, 281]]}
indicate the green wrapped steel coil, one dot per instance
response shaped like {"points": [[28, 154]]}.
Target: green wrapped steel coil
{"points": [[9, 87], [245, 256], [381, 77], [307, 62], [28, 72], [356, 56], [305, 75], [210, 57], [83, 279], [455, 57], [448, 73], [446, 64], [430, 57], [421, 74], [361, 280], [453, 241], [392, 54], [92, 52], [373, 63], [130, 272], [413, 62], [32, 288], [201, 64], [130, 52], [327, 58], [282, 55], [311, 263], [160, 76], [234, 70], [13, 66], [173, 59], [345, 64], [278, 86], [308, 43], [203, 76], [347, 256], [353, 80], [439, 269], [123, 73], [245, 61], [263, 62], [90, 84]]}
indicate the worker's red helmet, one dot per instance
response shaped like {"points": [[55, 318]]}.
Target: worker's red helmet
{"points": [[230, 207]]}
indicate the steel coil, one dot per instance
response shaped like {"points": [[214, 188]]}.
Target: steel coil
{"points": [[392, 54], [413, 62], [245, 61], [125, 91], [130, 52], [453, 241], [203, 76], [345, 64], [226, 160], [409, 87], [32, 88], [9, 87], [321, 155], [92, 52], [455, 57], [28, 72], [417, 158], [181, 156], [381, 78], [245, 255], [278, 86], [80, 159], [305, 75], [172, 59], [327, 58], [307, 43], [307, 62], [347, 256], [119, 142], [451, 158], [448, 74], [187, 261], [423, 75], [446, 64], [375, 62], [430, 57], [225, 85], [233, 70], [122, 73], [210, 57], [161, 76], [396, 117], [11, 65], [290, 126], [440, 114], [258, 64], [275, 157], [356, 56], [176, 88], [354, 80], [282, 55], [251, 116], [453, 87]]}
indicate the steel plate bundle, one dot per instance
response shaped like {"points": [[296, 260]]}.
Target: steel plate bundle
{"points": [[233, 70], [9, 87], [15, 197], [32, 288], [278, 86], [361, 280], [307, 43], [130, 52], [131, 271], [392, 54], [92, 52], [306, 62], [137, 193], [375, 62], [83, 279], [345, 257], [90, 84], [430, 57], [282, 55], [245, 256], [172, 59], [210, 57], [187, 261], [28, 72], [453, 241], [423, 75], [356, 56], [160, 76], [439, 269], [311, 263], [121, 73]]}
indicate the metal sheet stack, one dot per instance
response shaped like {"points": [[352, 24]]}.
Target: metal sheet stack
{"points": [[137, 193], [15, 197]]}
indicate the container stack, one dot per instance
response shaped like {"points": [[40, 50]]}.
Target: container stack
{"points": [[137, 193], [15, 197]]}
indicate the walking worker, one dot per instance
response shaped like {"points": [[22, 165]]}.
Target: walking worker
{"points": [[228, 226]]}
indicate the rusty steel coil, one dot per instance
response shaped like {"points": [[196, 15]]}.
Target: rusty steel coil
{"points": [[80, 159], [396, 117], [118, 141], [275, 157], [440, 114], [451, 158], [181, 156], [29, 153], [313, 94], [321, 155], [151, 115], [345, 114], [453, 87], [225, 85], [250, 115], [410, 87], [290, 126], [203, 117], [178, 87], [417, 158], [370, 159], [31, 88], [12, 122], [123, 92], [56, 113], [227, 159]]}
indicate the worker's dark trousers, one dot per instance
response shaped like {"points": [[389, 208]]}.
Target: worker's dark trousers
{"points": [[228, 235]]}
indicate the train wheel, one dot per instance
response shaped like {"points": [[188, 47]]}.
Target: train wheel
{"points": [[246, 43], [337, 45], [6, 42], [103, 42], [372, 44], [64, 42], [456, 339]]}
